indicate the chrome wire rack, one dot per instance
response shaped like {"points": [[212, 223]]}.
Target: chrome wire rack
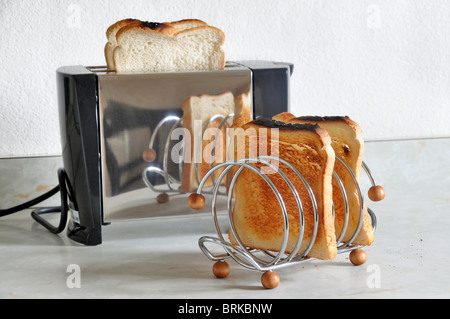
{"points": [[267, 261]]}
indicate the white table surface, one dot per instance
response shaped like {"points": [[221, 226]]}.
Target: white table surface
{"points": [[160, 258]]}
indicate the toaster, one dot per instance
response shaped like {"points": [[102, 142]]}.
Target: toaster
{"points": [[117, 141]]}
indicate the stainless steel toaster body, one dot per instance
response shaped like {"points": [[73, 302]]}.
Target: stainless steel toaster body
{"points": [[109, 120]]}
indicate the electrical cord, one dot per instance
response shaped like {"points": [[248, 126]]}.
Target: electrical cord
{"points": [[62, 188]]}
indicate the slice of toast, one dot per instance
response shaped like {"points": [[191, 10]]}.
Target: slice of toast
{"points": [[257, 214], [348, 144], [162, 47]]}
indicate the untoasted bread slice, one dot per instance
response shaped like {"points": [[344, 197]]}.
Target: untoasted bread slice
{"points": [[169, 28], [257, 214], [348, 144], [162, 47], [112, 42]]}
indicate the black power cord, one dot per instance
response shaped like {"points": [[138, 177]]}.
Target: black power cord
{"points": [[62, 188]]}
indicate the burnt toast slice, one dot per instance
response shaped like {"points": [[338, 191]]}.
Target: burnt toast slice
{"points": [[348, 144], [257, 214]]}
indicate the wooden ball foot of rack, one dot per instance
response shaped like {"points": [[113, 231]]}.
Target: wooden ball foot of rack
{"points": [[270, 280], [358, 257], [221, 269]]}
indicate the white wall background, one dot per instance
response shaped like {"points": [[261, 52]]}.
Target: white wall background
{"points": [[385, 63]]}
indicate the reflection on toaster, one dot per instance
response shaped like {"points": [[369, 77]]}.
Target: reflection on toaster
{"points": [[194, 143]]}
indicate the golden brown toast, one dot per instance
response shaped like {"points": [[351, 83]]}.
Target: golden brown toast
{"points": [[257, 214], [348, 144]]}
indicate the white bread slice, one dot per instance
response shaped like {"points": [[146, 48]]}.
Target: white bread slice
{"points": [[112, 42], [155, 47], [348, 144], [111, 33], [197, 111], [257, 214]]}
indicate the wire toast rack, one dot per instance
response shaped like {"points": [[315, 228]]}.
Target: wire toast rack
{"points": [[266, 262]]}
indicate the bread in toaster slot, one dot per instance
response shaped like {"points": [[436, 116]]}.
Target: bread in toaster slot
{"points": [[257, 214], [136, 46], [348, 144], [112, 41]]}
